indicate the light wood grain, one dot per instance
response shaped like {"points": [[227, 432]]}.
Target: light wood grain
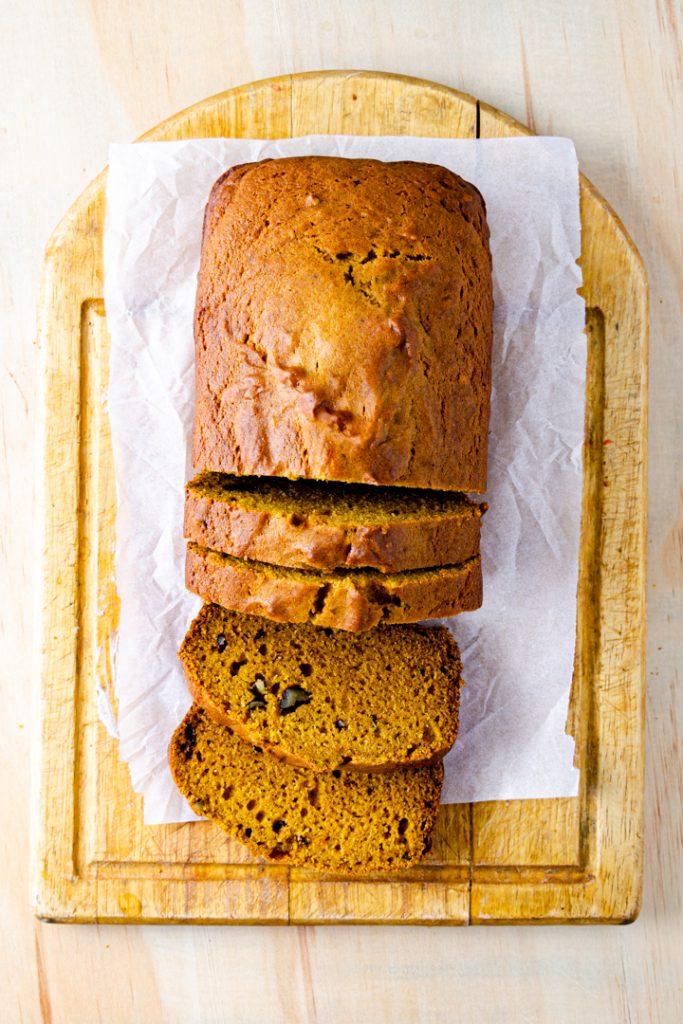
{"points": [[559, 860], [606, 74], [608, 693]]}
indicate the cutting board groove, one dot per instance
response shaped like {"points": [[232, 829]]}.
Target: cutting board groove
{"points": [[564, 860]]}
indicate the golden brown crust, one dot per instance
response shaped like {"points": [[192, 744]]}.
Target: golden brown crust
{"points": [[376, 702], [294, 529], [343, 324], [342, 821], [352, 600]]}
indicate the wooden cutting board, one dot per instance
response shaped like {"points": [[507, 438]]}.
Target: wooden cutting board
{"points": [[560, 861]]}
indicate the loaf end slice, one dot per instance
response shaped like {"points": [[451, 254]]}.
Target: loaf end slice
{"points": [[344, 821]]}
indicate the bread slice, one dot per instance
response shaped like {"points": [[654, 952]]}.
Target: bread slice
{"points": [[350, 599], [344, 821], [311, 525], [324, 699]]}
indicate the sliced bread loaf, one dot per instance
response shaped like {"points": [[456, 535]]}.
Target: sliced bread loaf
{"points": [[325, 699], [307, 524], [344, 821], [350, 599]]}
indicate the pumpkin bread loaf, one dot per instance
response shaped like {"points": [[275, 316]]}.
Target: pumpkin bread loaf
{"points": [[310, 525], [343, 324], [350, 599], [324, 699], [343, 821]]}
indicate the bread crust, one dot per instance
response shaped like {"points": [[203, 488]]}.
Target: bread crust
{"points": [[343, 324], [350, 600], [218, 517]]}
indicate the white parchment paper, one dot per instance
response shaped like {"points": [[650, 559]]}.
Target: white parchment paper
{"points": [[518, 648]]}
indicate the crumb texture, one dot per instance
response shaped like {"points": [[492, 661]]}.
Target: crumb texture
{"points": [[326, 699], [343, 821]]}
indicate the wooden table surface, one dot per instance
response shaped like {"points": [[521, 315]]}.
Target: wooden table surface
{"points": [[75, 76]]}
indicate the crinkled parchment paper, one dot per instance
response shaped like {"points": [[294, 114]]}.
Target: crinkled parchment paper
{"points": [[518, 648]]}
